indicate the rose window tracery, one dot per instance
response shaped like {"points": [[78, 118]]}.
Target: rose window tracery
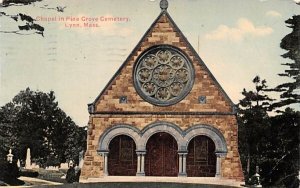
{"points": [[163, 75]]}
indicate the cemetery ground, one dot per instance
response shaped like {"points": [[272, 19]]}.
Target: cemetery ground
{"points": [[68, 176], [125, 182], [36, 177], [58, 177]]}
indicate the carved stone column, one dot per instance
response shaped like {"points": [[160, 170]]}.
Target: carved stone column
{"points": [[138, 170], [182, 163], [219, 164], [140, 163], [143, 164], [105, 168]]}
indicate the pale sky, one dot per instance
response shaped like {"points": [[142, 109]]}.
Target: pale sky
{"points": [[238, 39]]}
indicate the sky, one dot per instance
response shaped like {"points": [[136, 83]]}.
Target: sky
{"points": [[237, 40]]}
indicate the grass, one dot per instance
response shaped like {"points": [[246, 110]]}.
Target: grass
{"points": [[51, 175]]}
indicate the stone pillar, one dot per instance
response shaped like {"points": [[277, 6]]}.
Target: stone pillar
{"points": [[140, 163], [182, 163], [143, 164], [218, 167], [219, 164], [105, 169], [138, 169]]}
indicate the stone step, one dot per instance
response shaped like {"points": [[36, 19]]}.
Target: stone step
{"points": [[193, 180]]}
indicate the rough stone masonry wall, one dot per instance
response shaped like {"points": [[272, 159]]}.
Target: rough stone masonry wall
{"points": [[93, 162], [163, 32]]}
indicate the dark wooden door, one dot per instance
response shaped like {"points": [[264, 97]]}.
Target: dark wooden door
{"points": [[201, 158], [122, 158], [161, 156]]}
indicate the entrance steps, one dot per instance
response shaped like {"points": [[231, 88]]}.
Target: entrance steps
{"points": [[192, 180]]}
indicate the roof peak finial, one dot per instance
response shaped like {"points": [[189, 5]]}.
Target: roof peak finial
{"points": [[164, 5]]}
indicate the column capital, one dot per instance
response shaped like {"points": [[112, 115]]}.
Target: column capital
{"points": [[140, 152], [220, 154], [182, 152], [102, 152]]}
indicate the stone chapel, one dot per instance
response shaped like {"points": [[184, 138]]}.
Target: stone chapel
{"points": [[163, 113]]}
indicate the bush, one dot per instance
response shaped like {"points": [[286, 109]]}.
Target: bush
{"points": [[10, 170], [29, 173], [71, 175], [9, 173], [2, 166], [52, 161]]}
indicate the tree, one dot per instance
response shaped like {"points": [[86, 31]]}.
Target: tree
{"points": [[7, 138], [272, 143], [76, 141], [291, 43], [253, 123], [33, 119], [30, 26], [281, 153]]}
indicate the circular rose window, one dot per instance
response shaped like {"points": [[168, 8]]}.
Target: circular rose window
{"points": [[163, 75]]}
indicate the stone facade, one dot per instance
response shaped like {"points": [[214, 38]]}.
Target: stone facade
{"points": [[205, 110]]}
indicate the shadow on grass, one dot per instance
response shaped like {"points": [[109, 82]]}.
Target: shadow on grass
{"points": [[137, 185], [12, 182]]}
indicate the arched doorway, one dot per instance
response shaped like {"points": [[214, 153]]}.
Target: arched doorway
{"points": [[201, 158], [161, 155], [122, 159]]}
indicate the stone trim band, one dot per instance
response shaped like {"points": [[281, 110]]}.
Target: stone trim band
{"points": [[162, 113]]}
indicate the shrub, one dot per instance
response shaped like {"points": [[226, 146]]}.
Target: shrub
{"points": [[9, 173], [10, 170], [29, 173]]}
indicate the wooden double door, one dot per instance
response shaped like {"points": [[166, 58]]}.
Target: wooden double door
{"points": [[122, 158], [201, 158], [162, 155]]}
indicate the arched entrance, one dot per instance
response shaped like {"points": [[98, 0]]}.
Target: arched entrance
{"points": [[161, 155], [122, 159], [201, 157]]}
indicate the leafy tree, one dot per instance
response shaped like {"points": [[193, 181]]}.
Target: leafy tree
{"points": [[30, 26], [33, 119], [291, 42], [253, 123], [280, 156], [7, 138], [272, 143], [76, 141]]}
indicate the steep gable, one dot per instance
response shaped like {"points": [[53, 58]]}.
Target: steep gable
{"points": [[162, 32]]}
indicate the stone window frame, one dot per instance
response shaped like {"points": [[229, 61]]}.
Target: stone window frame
{"points": [[188, 87]]}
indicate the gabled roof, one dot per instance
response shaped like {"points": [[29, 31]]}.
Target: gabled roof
{"points": [[163, 13]]}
